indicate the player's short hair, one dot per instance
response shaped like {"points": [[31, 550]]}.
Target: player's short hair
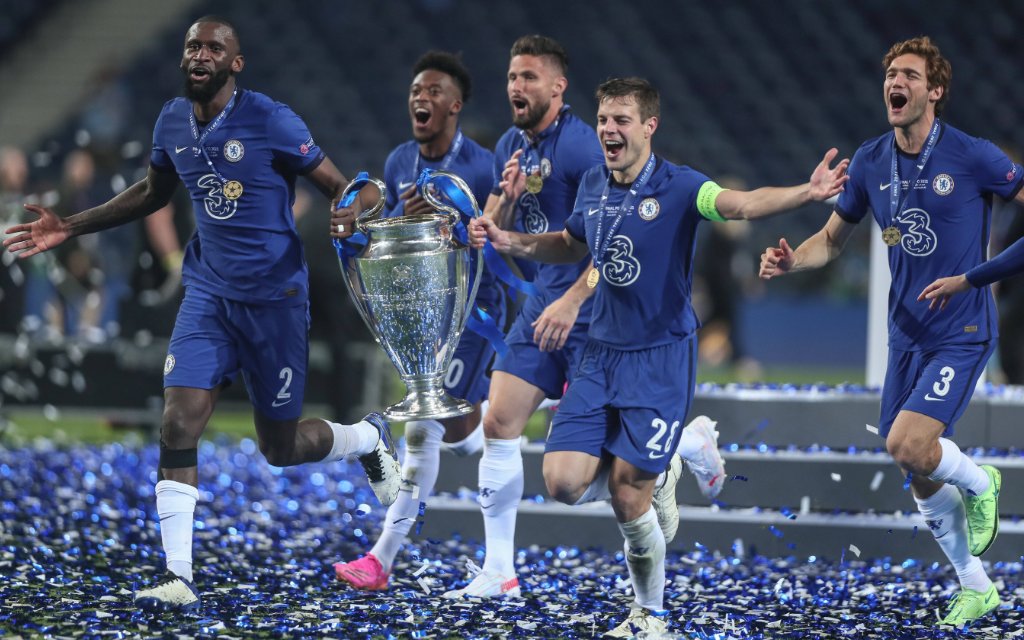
{"points": [[647, 97], [542, 46], [447, 63], [210, 17], [938, 69]]}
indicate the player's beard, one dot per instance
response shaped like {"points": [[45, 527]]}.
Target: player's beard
{"points": [[534, 114], [203, 93]]}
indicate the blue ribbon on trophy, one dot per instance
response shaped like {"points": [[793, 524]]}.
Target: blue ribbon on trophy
{"points": [[497, 265], [350, 246], [444, 190]]}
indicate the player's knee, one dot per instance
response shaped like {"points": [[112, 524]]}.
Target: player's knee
{"points": [[276, 455], [177, 430], [562, 486], [628, 503], [498, 426], [905, 452]]}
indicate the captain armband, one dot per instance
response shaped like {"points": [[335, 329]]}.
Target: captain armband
{"points": [[706, 201]]}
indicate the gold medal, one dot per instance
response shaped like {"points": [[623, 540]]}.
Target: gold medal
{"points": [[593, 278], [534, 183], [232, 189], [891, 236]]}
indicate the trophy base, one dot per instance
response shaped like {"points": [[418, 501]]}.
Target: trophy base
{"points": [[420, 405]]}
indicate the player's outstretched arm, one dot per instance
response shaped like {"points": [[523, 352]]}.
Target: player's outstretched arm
{"points": [[49, 230], [556, 247], [826, 181], [814, 252]]}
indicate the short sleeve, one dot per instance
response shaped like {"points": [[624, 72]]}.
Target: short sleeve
{"points": [[501, 155], [853, 202], [159, 159], [391, 205], [291, 142], [574, 223], [995, 172], [582, 153]]}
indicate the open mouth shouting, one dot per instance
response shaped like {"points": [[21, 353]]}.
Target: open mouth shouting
{"points": [[520, 108], [613, 149], [199, 74], [897, 102]]}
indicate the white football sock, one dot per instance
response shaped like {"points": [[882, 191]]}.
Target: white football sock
{"points": [[945, 516], [957, 469], [176, 507], [645, 558], [501, 489], [352, 439], [419, 473]]}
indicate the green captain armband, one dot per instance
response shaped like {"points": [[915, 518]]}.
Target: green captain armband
{"points": [[706, 201]]}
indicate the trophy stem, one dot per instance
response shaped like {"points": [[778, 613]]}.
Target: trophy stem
{"points": [[427, 400]]}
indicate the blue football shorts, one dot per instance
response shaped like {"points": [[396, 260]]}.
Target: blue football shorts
{"points": [[549, 371], [215, 338], [467, 376], [631, 404], [938, 383]]}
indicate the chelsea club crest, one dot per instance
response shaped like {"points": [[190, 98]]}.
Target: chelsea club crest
{"points": [[233, 150], [943, 184], [649, 209]]}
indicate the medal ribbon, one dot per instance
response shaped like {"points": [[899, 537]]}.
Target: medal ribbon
{"points": [[446, 161], [201, 138], [896, 207], [603, 241], [531, 147]]}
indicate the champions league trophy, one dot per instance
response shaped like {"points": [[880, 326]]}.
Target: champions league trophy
{"points": [[412, 286]]}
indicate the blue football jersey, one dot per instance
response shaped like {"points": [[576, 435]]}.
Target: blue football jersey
{"points": [[244, 249], [561, 154], [472, 164], [944, 230], [643, 297]]}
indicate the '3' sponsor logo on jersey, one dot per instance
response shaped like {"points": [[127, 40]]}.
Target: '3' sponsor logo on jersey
{"points": [[214, 202]]}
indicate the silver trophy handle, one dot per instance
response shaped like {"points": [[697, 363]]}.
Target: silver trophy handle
{"points": [[454, 214], [367, 215], [454, 218]]}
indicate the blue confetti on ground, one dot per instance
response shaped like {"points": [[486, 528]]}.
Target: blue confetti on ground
{"points": [[78, 533]]}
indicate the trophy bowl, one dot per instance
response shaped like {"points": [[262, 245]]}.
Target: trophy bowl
{"points": [[412, 285]]}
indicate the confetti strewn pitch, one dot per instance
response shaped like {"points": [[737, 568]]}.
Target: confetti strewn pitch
{"points": [[77, 532]]}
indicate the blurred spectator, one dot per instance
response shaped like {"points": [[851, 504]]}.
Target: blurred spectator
{"points": [[724, 269], [13, 186]]}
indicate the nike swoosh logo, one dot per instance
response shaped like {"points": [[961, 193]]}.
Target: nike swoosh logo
{"points": [[275, 403], [405, 185], [168, 516], [655, 457], [883, 187], [178, 149], [399, 520], [591, 212], [487, 506], [928, 396]]}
